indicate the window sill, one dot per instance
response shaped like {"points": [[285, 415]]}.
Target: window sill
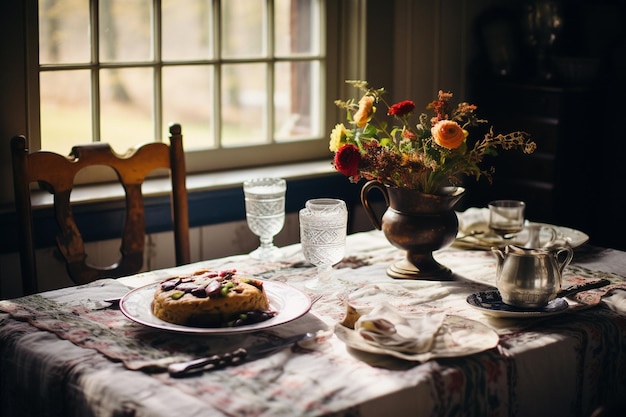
{"points": [[213, 198]]}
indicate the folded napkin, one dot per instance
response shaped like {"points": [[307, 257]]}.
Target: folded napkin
{"points": [[616, 300], [474, 219], [386, 328], [474, 232]]}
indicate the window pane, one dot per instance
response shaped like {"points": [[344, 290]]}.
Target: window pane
{"points": [[187, 29], [244, 98], [297, 27], [243, 28], [126, 107], [296, 100], [187, 99], [65, 110], [215, 74], [125, 30], [64, 31]]}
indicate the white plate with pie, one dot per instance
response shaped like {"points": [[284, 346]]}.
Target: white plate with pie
{"points": [[288, 302]]}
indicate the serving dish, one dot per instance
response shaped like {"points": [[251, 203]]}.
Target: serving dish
{"points": [[288, 302]]}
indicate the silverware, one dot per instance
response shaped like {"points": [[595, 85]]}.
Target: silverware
{"points": [[235, 357], [566, 292]]}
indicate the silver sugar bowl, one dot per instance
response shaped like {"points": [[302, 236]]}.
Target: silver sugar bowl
{"points": [[530, 277]]}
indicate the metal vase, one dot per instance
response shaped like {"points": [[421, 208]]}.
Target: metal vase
{"points": [[418, 223]]}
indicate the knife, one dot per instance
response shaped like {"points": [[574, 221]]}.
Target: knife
{"points": [[233, 358], [566, 292]]}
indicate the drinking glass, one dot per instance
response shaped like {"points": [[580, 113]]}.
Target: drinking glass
{"points": [[506, 217], [265, 213], [323, 229]]}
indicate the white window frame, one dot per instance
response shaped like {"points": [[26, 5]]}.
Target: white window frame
{"points": [[343, 60]]}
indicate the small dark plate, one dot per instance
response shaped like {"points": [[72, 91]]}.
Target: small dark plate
{"points": [[490, 302]]}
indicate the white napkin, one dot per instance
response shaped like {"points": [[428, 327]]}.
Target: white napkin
{"points": [[386, 328], [616, 301], [474, 232], [473, 219]]}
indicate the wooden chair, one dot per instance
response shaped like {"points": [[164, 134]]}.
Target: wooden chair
{"points": [[55, 173]]}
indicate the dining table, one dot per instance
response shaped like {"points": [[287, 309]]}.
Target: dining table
{"points": [[77, 352]]}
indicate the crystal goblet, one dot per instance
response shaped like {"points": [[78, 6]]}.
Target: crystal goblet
{"points": [[323, 229], [265, 213]]}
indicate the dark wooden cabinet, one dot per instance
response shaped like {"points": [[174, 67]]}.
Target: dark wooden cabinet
{"points": [[556, 180]]}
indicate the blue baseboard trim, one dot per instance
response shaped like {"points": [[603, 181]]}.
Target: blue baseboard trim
{"points": [[104, 220]]}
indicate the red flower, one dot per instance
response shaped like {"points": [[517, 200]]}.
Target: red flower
{"points": [[402, 108], [347, 160]]}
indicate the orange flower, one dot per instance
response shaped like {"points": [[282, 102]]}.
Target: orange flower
{"points": [[448, 134], [365, 112]]}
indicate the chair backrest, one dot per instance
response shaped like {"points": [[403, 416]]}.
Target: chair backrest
{"points": [[55, 173]]}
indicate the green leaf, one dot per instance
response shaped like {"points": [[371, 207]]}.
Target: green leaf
{"points": [[387, 142], [370, 131]]}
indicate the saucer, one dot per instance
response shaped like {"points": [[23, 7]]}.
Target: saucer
{"points": [[490, 303], [458, 336], [573, 237]]}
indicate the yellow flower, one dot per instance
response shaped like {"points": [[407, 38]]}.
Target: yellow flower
{"points": [[337, 137], [448, 134], [365, 112]]}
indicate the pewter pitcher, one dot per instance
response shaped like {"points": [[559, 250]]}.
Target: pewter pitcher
{"points": [[530, 277], [418, 223]]}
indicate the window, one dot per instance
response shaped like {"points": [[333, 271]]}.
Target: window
{"points": [[247, 79]]}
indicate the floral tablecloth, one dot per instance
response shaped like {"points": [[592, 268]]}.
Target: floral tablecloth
{"points": [[78, 356]]}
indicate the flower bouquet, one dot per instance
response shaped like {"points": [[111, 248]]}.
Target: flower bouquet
{"points": [[426, 154]]}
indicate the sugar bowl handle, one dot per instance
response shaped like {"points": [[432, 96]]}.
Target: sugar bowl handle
{"points": [[563, 257], [499, 255], [376, 221]]}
